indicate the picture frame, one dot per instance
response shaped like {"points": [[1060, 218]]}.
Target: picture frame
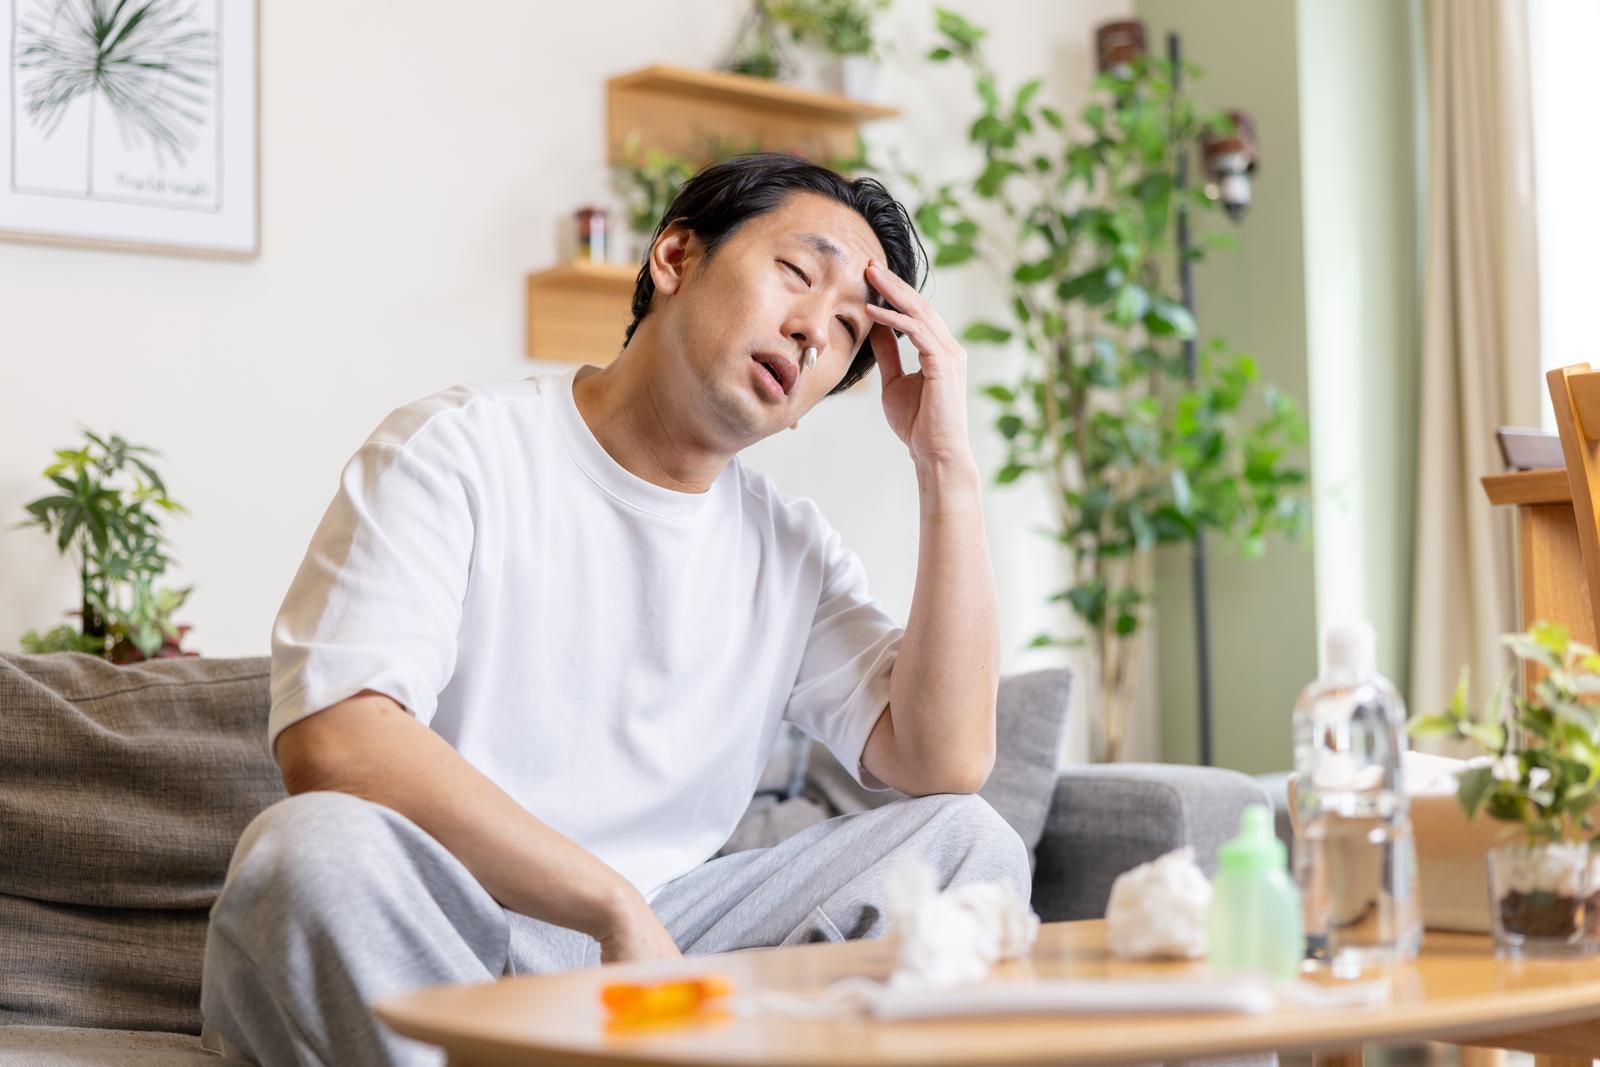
{"points": [[132, 125]]}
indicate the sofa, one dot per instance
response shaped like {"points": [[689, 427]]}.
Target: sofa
{"points": [[124, 788]]}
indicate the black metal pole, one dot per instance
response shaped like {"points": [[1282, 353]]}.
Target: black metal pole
{"points": [[1202, 626]]}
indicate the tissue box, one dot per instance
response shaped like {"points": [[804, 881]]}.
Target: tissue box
{"points": [[1452, 850]]}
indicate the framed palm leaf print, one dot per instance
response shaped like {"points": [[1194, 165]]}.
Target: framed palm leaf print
{"points": [[132, 124]]}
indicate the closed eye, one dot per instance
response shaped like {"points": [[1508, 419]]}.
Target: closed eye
{"points": [[849, 326], [798, 271]]}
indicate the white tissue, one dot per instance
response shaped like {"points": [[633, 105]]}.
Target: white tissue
{"points": [[1159, 909], [949, 938]]}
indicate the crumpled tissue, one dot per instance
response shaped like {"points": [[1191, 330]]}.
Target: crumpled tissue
{"points": [[952, 937], [1158, 910]]}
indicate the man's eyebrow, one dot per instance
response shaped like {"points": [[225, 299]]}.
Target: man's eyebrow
{"points": [[827, 248]]}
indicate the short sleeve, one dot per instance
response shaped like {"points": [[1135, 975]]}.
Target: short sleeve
{"points": [[843, 685], [377, 601]]}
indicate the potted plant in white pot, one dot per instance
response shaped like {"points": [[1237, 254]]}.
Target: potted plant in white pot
{"points": [[1539, 773], [839, 51]]}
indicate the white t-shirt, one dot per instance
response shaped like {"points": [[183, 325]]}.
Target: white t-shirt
{"points": [[617, 656]]}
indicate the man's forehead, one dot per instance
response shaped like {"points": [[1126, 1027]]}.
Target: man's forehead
{"points": [[812, 218], [827, 241], [829, 249]]}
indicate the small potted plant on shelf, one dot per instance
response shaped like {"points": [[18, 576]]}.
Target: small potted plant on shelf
{"points": [[650, 179], [106, 511], [838, 36], [757, 52], [1538, 772], [648, 182]]}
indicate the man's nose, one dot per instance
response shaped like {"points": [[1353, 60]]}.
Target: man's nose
{"points": [[809, 327]]}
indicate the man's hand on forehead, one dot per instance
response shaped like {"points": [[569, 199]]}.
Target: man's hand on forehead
{"points": [[928, 408]]}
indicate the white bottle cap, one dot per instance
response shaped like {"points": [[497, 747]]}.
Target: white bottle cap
{"points": [[1350, 648]]}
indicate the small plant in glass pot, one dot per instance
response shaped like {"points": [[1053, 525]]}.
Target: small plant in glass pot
{"points": [[756, 51], [1539, 772]]}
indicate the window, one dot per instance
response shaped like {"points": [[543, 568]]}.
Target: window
{"points": [[1567, 169]]}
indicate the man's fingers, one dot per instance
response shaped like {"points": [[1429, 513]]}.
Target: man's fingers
{"points": [[894, 288], [887, 352], [903, 297], [913, 328]]}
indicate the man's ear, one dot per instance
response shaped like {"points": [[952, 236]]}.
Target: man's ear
{"points": [[670, 256]]}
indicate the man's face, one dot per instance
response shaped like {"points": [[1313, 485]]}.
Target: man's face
{"points": [[782, 282]]}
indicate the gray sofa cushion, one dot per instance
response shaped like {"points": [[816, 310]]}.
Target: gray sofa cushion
{"points": [[1030, 721], [1109, 818], [125, 790]]}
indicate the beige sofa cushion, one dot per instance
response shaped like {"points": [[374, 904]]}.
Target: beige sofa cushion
{"points": [[49, 1046], [122, 793]]}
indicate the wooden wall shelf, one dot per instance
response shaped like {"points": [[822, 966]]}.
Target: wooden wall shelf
{"points": [[577, 312], [680, 110]]}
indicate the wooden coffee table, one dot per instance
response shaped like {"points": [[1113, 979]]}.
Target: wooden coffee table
{"points": [[1457, 992]]}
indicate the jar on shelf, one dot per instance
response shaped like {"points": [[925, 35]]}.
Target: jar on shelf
{"points": [[592, 234]]}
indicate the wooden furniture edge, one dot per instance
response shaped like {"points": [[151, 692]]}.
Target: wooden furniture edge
{"points": [[685, 81], [1547, 485]]}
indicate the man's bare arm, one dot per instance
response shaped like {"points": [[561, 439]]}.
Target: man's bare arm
{"points": [[938, 733], [371, 747]]}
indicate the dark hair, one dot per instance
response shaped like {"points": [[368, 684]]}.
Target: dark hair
{"points": [[720, 198]]}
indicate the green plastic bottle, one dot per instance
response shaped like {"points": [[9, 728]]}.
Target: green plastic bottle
{"points": [[1255, 921]]}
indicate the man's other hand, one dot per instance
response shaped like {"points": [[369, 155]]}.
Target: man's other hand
{"points": [[636, 934]]}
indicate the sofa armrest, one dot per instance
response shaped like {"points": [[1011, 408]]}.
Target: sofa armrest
{"points": [[1107, 818]]}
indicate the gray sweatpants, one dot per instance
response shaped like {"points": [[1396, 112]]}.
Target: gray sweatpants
{"points": [[332, 902]]}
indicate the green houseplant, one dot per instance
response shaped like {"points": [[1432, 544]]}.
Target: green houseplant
{"points": [[757, 52], [838, 27], [1539, 773], [106, 511], [652, 177], [838, 34], [649, 181], [1077, 222]]}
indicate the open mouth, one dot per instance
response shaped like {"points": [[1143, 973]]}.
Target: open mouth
{"points": [[779, 370], [772, 373]]}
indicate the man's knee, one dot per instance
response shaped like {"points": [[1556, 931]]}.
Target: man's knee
{"points": [[308, 851], [965, 813], [974, 834]]}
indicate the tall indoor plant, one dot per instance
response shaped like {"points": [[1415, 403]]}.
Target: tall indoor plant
{"points": [[106, 511], [1077, 220]]}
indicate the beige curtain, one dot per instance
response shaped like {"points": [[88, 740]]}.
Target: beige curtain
{"points": [[1480, 336]]}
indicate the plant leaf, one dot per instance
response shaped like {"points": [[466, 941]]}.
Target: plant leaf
{"points": [[1472, 787], [986, 333]]}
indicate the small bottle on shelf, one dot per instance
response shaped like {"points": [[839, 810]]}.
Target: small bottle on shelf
{"points": [[592, 234]]}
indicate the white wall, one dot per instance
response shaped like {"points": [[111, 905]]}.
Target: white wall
{"points": [[413, 169]]}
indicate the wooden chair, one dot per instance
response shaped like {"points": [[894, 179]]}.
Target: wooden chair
{"points": [[1558, 534], [1575, 394]]}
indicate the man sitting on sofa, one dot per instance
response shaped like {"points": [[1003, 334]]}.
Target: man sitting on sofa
{"points": [[545, 637]]}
